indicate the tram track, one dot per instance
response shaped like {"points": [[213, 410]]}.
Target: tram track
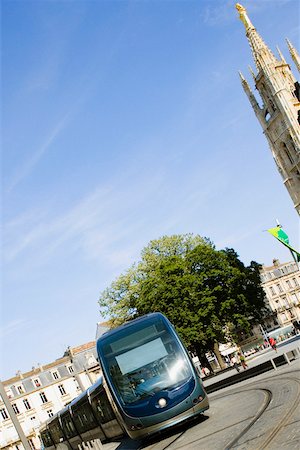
{"points": [[282, 423], [245, 436], [262, 409]]}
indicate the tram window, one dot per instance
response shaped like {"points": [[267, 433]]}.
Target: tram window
{"points": [[46, 438], [68, 426], [102, 408], [56, 432], [83, 418]]}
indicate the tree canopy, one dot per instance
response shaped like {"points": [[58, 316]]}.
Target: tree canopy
{"points": [[204, 292]]}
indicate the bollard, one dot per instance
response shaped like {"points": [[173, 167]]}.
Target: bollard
{"points": [[98, 444], [273, 364]]}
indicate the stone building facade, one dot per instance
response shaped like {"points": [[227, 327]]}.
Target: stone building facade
{"points": [[281, 283], [39, 394], [279, 114]]}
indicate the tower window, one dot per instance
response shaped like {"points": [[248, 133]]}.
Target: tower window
{"points": [[289, 156], [297, 90]]}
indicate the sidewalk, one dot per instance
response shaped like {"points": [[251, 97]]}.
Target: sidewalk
{"points": [[265, 361]]}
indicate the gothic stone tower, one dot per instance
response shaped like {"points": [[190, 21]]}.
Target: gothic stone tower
{"points": [[279, 115]]}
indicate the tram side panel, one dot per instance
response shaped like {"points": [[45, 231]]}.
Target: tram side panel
{"points": [[90, 416], [69, 429], [104, 413], [57, 434], [46, 438]]}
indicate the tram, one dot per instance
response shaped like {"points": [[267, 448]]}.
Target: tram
{"points": [[149, 383], [150, 377]]}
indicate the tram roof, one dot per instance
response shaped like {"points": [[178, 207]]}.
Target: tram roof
{"points": [[130, 323]]}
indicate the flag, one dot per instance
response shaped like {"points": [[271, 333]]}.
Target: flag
{"points": [[279, 234], [282, 237]]}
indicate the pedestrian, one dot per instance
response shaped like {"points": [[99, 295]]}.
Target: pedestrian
{"points": [[234, 363], [243, 360], [206, 371], [273, 344]]}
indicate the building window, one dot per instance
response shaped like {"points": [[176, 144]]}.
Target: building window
{"points": [[43, 397], [295, 282], [20, 389], [62, 389], [272, 291], [31, 444], [71, 369], [50, 413], [294, 298], [288, 283], [15, 408], [285, 301], [37, 382], [26, 404], [3, 413], [55, 375], [279, 288], [32, 418], [9, 393]]}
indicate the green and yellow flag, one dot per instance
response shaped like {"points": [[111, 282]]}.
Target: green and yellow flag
{"points": [[282, 237]]}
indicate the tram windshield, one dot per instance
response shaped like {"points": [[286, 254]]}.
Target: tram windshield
{"points": [[143, 360]]}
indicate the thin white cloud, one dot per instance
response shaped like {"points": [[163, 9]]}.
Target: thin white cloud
{"points": [[111, 223], [24, 170], [12, 327], [233, 239]]}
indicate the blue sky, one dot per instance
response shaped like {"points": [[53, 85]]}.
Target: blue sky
{"points": [[124, 121]]}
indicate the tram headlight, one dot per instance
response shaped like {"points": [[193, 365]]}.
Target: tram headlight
{"points": [[162, 402]]}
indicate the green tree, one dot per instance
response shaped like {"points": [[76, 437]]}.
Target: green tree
{"points": [[203, 291]]}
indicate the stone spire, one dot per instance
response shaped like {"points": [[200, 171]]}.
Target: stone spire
{"points": [[294, 54], [258, 111], [261, 53], [281, 55]]}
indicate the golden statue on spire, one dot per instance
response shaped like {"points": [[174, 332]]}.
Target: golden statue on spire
{"points": [[243, 16], [240, 7]]}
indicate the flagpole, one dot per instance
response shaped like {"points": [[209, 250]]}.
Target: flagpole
{"points": [[294, 257]]}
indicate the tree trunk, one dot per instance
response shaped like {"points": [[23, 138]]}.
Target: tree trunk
{"points": [[219, 356], [200, 352]]}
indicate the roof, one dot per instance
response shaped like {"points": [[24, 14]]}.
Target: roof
{"points": [[41, 368]]}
